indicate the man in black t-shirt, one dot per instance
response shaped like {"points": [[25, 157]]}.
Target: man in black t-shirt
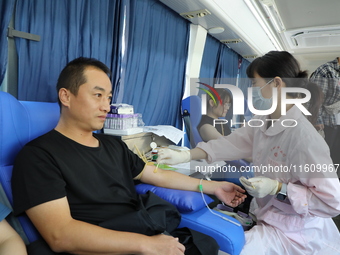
{"points": [[70, 179], [67, 168]]}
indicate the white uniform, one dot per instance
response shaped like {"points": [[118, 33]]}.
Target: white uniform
{"points": [[304, 226]]}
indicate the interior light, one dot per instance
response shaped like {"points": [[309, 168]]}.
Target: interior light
{"points": [[271, 9], [253, 7], [216, 30]]}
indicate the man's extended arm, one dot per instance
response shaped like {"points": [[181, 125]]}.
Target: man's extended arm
{"points": [[65, 234], [227, 192]]}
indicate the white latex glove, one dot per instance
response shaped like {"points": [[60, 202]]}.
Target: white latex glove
{"points": [[172, 157], [260, 186]]}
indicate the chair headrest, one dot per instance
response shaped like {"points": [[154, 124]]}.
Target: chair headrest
{"points": [[22, 121], [193, 105]]}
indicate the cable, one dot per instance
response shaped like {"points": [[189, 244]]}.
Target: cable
{"points": [[200, 187]]}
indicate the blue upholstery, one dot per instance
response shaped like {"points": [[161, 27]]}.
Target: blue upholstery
{"points": [[229, 236], [192, 105], [192, 201], [22, 121]]}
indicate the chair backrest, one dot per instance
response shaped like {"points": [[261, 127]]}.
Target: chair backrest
{"points": [[20, 122], [191, 111]]}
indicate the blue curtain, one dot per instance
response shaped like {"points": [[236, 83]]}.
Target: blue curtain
{"points": [[244, 82], [227, 66], [119, 35], [227, 71], [156, 55], [209, 64], [210, 58], [68, 29], [219, 63], [6, 10]]}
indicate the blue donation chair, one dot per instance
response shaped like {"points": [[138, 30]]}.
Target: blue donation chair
{"points": [[22, 121], [191, 112]]}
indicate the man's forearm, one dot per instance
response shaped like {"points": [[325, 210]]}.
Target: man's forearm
{"points": [[173, 180], [83, 238]]}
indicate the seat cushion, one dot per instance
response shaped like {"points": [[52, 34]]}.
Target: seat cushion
{"points": [[185, 201], [229, 236]]}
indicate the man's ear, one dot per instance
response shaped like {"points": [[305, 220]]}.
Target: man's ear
{"points": [[64, 96]]}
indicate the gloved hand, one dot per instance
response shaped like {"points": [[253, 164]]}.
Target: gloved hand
{"points": [[260, 186], [172, 157]]}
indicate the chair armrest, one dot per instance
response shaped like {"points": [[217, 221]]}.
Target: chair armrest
{"points": [[196, 216], [185, 201], [230, 237]]}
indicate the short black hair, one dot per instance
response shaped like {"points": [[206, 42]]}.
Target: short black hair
{"points": [[72, 76]]}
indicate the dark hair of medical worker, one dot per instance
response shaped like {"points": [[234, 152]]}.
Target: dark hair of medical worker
{"points": [[224, 95], [72, 76], [285, 66]]}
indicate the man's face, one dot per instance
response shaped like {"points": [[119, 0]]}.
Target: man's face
{"points": [[92, 103]]}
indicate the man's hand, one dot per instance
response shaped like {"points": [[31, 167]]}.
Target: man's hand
{"points": [[172, 157], [163, 245], [260, 186], [230, 193]]}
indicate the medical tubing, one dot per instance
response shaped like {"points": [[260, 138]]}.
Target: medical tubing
{"points": [[200, 187]]}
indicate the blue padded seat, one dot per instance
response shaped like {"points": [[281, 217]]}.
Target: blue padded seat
{"points": [[196, 216], [230, 237], [191, 110], [22, 121]]}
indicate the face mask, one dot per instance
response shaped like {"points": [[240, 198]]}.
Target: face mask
{"points": [[259, 102]]}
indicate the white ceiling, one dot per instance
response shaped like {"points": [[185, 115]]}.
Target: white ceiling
{"points": [[297, 16]]}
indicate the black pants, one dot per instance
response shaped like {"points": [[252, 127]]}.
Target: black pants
{"points": [[195, 243], [153, 216]]}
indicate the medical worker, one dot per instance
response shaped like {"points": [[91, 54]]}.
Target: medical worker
{"points": [[296, 190]]}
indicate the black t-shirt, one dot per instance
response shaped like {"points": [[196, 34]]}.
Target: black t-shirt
{"points": [[98, 182], [219, 127]]}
